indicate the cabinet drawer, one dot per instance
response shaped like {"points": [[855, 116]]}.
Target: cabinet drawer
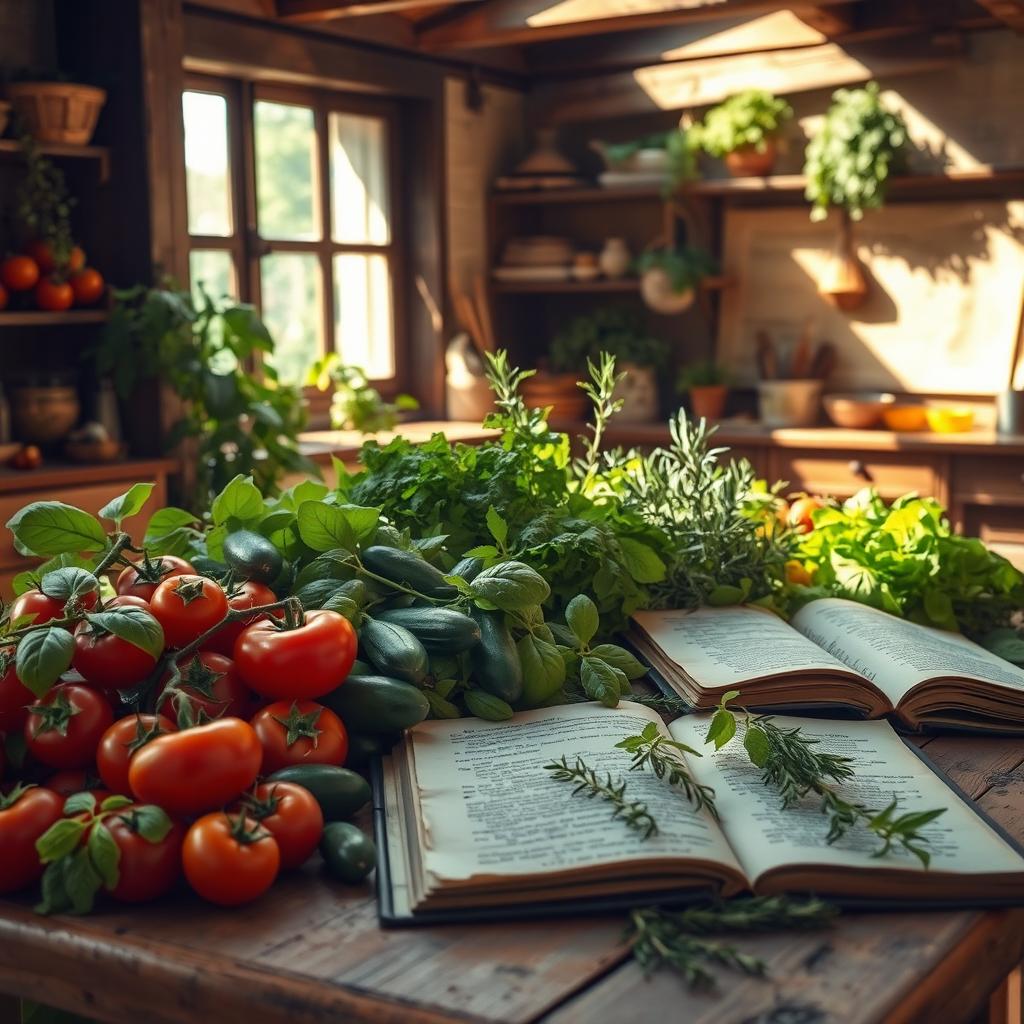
{"points": [[841, 474], [989, 479], [1001, 528]]}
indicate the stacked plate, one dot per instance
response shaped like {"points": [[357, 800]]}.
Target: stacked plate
{"points": [[536, 258]]}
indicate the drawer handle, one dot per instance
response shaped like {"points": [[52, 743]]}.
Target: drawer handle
{"points": [[858, 469]]}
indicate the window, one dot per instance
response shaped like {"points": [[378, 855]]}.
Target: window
{"points": [[291, 206]]}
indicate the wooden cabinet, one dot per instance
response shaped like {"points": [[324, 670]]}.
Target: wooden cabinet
{"points": [[841, 474]]}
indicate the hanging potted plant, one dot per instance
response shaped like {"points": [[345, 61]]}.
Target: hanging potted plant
{"points": [[744, 131], [53, 110], [706, 384], [848, 165], [669, 277]]}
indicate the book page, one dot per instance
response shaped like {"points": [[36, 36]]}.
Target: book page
{"points": [[765, 836], [490, 808], [721, 647], [895, 654]]}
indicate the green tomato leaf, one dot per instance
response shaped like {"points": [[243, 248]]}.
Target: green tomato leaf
{"points": [[105, 855], [128, 504], [51, 528], [324, 527], [43, 655], [510, 585], [240, 501], [64, 584], [135, 625], [583, 619], [600, 681]]}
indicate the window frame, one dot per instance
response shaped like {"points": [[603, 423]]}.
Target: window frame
{"points": [[247, 246]]}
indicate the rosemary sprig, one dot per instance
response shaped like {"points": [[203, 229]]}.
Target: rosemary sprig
{"points": [[588, 782], [662, 702], [662, 753], [675, 939]]}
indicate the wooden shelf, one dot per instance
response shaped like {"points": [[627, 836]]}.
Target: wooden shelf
{"points": [[40, 318], [54, 474], [621, 284], [12, 148]]}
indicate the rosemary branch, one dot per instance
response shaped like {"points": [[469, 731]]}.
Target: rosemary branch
{"points": [[588, 782]]}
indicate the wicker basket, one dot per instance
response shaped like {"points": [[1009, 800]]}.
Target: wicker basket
{"points": [[58, 111]]}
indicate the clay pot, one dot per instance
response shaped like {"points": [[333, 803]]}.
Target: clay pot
{"points": [[707, 401], [638, 390], [843, 282], [42, 415], [749, 162], [659, 295], [615, 258], [58, 111], [557, 390]]}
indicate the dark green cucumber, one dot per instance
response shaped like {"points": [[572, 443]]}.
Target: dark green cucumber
{"points": [[348, 852], [440, 630], [495, 660], [377, 705], [339, 791], [407, 569], [467, 568], [393, 650], [252, 556]]}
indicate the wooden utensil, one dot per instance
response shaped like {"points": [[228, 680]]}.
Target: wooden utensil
{"points": [[824, 361], [767, 362], [803, 353]]}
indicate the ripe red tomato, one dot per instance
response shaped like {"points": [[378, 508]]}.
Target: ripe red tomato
{"points": [[64, 728], [54, 295], [106, 660], [291, 815], [198, 769], [230, 860], [14, 697], [146, 870], [42, 253], [142, 578], [69, 781], [244, 595], [87, 286], [19, 273], [299, 732], [43, 608], [119, 743], [801, 512], [212, 687], [187, 606], [308, 661], [25, 814]]}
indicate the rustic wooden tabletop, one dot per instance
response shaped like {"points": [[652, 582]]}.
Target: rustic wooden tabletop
{"points": [[311, 952]]}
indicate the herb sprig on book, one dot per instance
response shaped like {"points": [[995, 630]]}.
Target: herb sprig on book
{"points": [[792, 764], [590, 783]]}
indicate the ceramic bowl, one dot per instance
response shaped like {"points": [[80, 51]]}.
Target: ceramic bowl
{"points": [[905, 419], [857, 410]]}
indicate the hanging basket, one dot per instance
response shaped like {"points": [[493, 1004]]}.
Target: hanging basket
{"points": [[60, 112]]}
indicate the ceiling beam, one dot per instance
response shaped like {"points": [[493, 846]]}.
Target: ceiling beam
{"points": [[501, 22], [833, 21], [1009, 12], [683, 85], [311, 12]]}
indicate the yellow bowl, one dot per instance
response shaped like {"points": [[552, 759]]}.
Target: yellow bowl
{"points": [[905, 418], [947, 420]]}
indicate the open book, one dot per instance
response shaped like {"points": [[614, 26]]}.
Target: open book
{"points": [[834, 653], [471, 824]]}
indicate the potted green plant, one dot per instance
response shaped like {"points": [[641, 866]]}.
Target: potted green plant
{"points": [[355, 404], [707, 386], [669, 277], [848, 165], [670, 155], [744, 131]]}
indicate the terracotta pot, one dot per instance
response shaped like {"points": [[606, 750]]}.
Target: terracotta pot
{"points": [[557, 390], [42, 415], [638, 390], [749, 162], [843, 282], [58, 111], [707, 401]]}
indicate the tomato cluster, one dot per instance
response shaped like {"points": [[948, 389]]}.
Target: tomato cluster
{"points": [[54, 285], [236, 704]]}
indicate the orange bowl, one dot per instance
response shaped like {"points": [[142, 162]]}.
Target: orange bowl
{"points": [[905, 418]]}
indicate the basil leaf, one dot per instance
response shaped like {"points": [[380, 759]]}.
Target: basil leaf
{"points": [[115, 803], [641, 562], [51, 528], [59, 839], [722, 728], [55, 895], [63, 584], [128, 504], [510, 585], [324, 527], [152, 823], [496, 525], [240, 500], [135, 625], [362, 520], [543, 668], [80, 803], [441, 707], [105, 854], [620, 658], [755, 740], [599, 681], [581, 615], [82, 881], [43, 656]]}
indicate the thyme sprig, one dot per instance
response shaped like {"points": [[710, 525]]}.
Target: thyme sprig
{"points": [[588, 782], [676, 939], [792, 764], [662, 754]]}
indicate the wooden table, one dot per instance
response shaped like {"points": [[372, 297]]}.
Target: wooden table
{"points": [[311, 952]]}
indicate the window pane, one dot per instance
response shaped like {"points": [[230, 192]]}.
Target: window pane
{"points": [[293, 311], [363, 329], [207, 179], [359, 179], [213, 269], [287, 207]]}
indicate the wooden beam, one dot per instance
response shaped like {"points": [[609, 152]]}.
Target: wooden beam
{"points": [[1009, 12], [500, 22], [831, 21], [696, 83], [306, 12]]}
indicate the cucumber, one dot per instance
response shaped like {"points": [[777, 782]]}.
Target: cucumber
{"points": [[440, 630], [340, 792], [495, 660], [330, 565], [408, 569], [467, 568], [393, 650], [348, 852], [377, 704], [252, 556]]}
